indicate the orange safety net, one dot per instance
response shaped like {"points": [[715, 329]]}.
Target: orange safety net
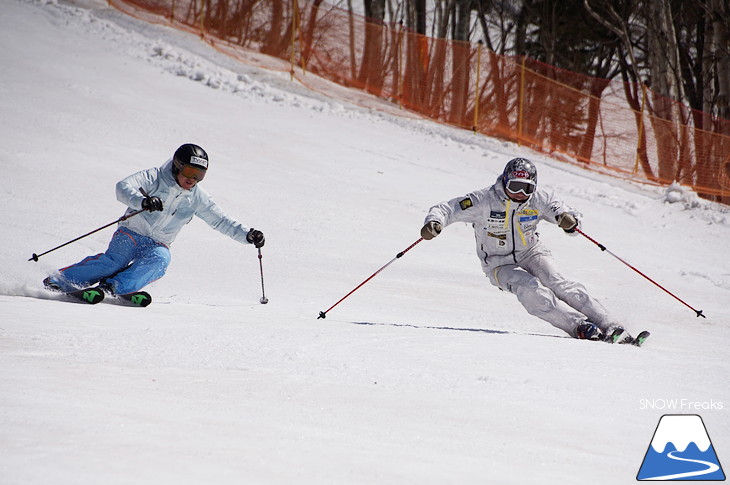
{"points": [[609, 126]]}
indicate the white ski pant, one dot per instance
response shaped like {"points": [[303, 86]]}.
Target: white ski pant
{"points": [[546, 294]]}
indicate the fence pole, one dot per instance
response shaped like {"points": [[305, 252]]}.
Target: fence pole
{"points": [[202, 18], [398, 66], [294, 25], [641, 128], [476, 87], [302, 59], [522, 96]]}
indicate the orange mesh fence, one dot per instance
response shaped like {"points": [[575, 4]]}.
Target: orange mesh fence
{"points": [[610, 126]]}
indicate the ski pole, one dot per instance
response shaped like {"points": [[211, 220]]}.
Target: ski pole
{"points": [[123, 218], [400, 254], [603, 248], [263, 299]]}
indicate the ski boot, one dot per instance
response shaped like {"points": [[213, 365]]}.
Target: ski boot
{"points": [[588, 331], [50, 285]]}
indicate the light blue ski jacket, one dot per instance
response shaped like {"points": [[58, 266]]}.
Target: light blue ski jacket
{"points": [[179, 207]]}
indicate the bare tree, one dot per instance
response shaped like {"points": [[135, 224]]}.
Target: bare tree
{"points": [[372, 61], [718, 55]]}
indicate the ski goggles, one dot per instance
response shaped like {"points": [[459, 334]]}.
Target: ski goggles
{"points": [[520, 186], [191, 172]]}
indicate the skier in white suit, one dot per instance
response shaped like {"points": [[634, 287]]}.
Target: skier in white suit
{"points": [[505, 217]]}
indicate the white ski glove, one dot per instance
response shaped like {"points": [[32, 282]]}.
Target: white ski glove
{"points": [[430, 230], [567, 222]]}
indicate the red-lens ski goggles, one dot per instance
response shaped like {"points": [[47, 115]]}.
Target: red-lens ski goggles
{"points": [[192, 172], [517, 186]]}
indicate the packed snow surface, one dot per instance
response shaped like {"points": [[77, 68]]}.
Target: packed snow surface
{"points": [[426, 375]]}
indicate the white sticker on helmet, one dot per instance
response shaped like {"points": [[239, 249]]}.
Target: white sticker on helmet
{"points": [[201, 162]]}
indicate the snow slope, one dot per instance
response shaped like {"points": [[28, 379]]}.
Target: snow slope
{"points": [[425, 375]]}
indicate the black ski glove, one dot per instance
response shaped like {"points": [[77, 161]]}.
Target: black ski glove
{"points": [[255, 237], [150, 203]]}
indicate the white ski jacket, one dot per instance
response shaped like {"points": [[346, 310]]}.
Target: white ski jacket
{"points": [[506, 231], [179, 206]]}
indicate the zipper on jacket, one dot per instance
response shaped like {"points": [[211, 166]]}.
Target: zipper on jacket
{"points": [[514, 256], [162, 222]]}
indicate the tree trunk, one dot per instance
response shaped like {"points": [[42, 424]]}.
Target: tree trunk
{"points": [[666, 85], [594, 111], [460, 63], [720, 12], [371, 76]]}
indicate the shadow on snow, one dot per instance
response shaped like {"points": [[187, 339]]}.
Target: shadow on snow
{"points": [[458, 329]]}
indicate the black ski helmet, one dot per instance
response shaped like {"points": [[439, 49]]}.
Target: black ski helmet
{"points": [[189, 154]]}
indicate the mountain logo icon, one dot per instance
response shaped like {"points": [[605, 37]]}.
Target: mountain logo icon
{"points": [[681, 450]]}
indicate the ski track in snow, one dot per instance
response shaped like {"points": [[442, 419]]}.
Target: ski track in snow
{"points": [[425, 375]]}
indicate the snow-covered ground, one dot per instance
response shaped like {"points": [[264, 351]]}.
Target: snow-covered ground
{"points": [[425, 375]]}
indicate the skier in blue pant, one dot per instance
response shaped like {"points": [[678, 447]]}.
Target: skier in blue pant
{"points": [[139, 251]]}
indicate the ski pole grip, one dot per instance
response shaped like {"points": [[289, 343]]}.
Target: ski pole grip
{"points": [[144, 192]]}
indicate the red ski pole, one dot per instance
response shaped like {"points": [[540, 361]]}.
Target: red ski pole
{"points": [[400, 254], [603, 248]]}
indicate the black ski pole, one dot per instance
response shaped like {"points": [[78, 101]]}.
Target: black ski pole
{"points": [[603, 248], [123, 218], [324, 313], [263, 299]]}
